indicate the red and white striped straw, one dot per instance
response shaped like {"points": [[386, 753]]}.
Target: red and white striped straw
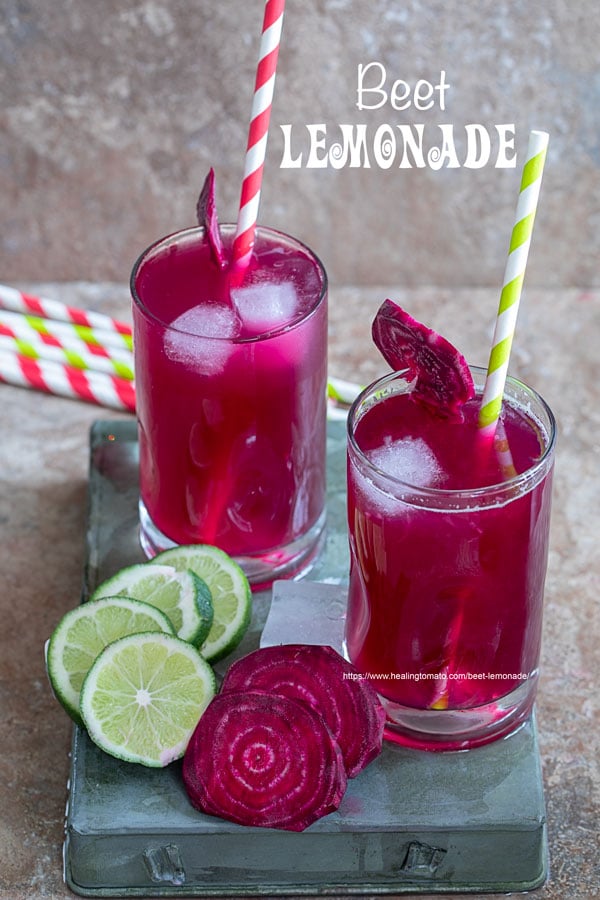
{"points": [[18, 331], [258, 133], [67, 381], [18, 301]]}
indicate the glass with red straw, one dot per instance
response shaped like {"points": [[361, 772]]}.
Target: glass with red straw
{"points": [[230, 336]]}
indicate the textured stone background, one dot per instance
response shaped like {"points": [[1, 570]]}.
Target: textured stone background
{"points": [[113, 111]]}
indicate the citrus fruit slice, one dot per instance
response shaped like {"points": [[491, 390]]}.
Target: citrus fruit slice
{"points": [[84, 632], [143, 696], [182, 595], [443, 380], [230, 592]]}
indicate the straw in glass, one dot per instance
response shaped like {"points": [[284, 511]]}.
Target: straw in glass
{"points": [[506, 319], [491, 430], [258, 134]]}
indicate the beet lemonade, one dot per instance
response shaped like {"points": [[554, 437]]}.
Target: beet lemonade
{"points": [[231, 391], [448, 559]]}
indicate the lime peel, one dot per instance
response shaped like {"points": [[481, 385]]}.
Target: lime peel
{"points": [[229, 588], [180, 593], [82, 634]]}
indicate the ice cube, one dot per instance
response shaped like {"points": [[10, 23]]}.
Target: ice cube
{"points": [[408, 459], [200, 337], [309, 612], [209, 320], [263, 306]]}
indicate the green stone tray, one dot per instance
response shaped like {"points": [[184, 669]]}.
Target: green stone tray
{"points": [[412, 822]]}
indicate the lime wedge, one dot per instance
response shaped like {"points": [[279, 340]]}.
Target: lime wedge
{"points": [[182, 595], [143, 697], [84, 632], [230, 590]]}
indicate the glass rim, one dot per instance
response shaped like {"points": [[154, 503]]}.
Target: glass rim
{"points": [[228, 227], [521, 482]]}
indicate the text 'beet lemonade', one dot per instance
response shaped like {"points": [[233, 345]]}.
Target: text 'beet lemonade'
{"points": [[231, 384]]}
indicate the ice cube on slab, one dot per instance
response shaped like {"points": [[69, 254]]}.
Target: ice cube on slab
{"points": [[408, 459], [306, 612], [199, 337]]}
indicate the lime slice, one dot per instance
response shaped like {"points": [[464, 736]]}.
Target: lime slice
{"points": [[84, 632], [230, 590], [182, 595], [143, 697]]}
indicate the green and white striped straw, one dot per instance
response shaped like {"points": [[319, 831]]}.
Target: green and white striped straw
{"points": [[79, 359], [506, 319]]}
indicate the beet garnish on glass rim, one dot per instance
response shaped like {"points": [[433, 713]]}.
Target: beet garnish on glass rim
{"points": [[443, 380], [206, 211]]}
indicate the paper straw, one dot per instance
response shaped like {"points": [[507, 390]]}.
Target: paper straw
{"points": [[105, 360], [342, 391], [18, 301], [83, 360], [20, 329], [63, 380], [67, 381], [97, 340], [32, 355], [340, 396], [503, 452], [531, 180], [491, 431], [258, 133]]}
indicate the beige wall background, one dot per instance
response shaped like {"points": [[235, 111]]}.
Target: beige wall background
{"points": [[112, 112]]}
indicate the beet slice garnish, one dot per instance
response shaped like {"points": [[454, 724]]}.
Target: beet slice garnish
{"points": [[206, 211], [443, 380], [263, 760], [323, 680]]}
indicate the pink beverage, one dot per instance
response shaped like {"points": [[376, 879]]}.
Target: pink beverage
{"points": [[448, 560], [231, 400]]}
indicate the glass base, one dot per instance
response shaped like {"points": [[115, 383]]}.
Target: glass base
{"points": [[292, 561], [459, 729]]}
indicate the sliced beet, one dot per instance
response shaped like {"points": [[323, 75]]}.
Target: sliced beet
{"points": [[323, 680], [443, 378], [206, 211], [263, 760]]}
